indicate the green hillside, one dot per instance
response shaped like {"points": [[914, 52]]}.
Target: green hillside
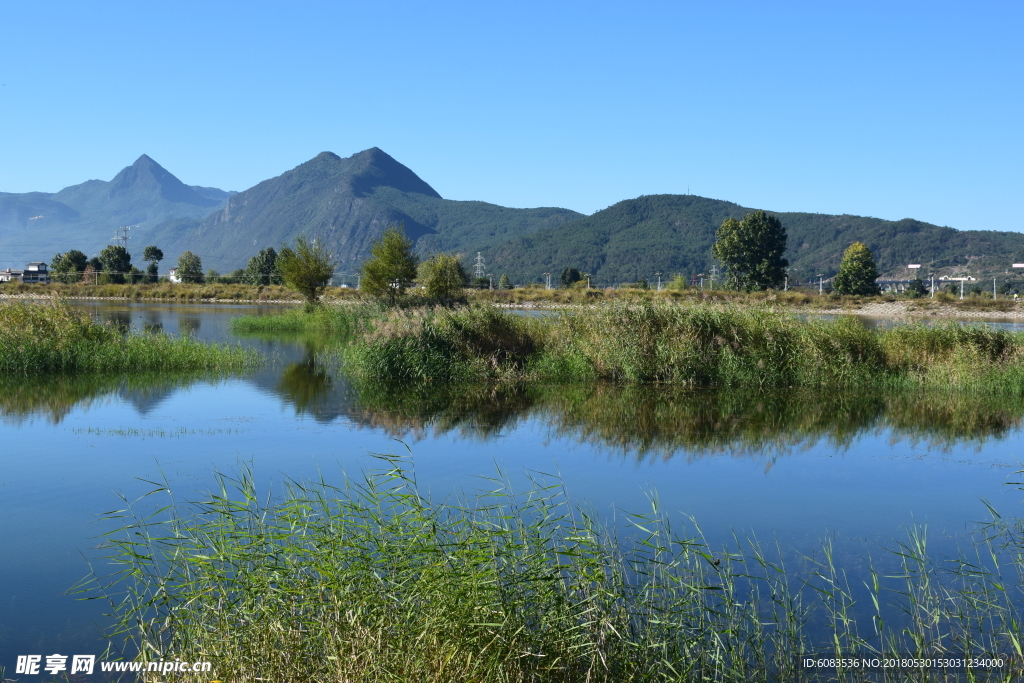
{"points": [[346, 202], [673, 234]]}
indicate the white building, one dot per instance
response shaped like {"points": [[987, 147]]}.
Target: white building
{"points": [[35, 272]]}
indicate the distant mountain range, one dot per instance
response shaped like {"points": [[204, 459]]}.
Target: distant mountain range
{"points": [[348, 201]]}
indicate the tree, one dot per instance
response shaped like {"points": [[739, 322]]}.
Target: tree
{"points": [[154, 256], [117, 262], [190, 267], [444, 278], [391, 267], [857, 272], [307, 269], [504, 282], [752, 250], [917, 288], [69, 266], [570, 276], [262, 268]]}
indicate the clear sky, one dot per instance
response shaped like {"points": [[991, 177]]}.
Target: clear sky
{"points": [[888, 109]]}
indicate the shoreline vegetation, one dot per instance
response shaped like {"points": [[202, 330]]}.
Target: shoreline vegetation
{"points": [[56, 338], [373, 580], [703, 345], [944, 303]]}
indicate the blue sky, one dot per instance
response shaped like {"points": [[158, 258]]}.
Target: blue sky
{"points": [[882, 109]]}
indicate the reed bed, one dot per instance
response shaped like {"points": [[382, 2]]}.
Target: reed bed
{"points": [[374, 581], [703, 345], [339, 321], [54, 337]]}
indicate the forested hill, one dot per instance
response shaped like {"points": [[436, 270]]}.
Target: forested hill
{"points": [[347, 202], [672, 234]]}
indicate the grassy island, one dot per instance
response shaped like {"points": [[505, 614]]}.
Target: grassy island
{"points": [[54, 337], [644, 342]]}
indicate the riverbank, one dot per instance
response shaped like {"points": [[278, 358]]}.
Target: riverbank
{"points": [[943, 306], [166, 292]]}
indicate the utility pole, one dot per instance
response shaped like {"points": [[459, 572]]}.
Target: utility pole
{"points": [[820, 284], [358, 280], [659, 281], [993, 289], [548, 276], [714, 276], [587, 275], [490, 281], [932, 276], [962, 287]]}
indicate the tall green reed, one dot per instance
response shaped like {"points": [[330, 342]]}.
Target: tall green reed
{"points": [[55, 337], [702, 345], [374, 581]]}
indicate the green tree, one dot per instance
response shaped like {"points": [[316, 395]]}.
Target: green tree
{"points": [[570, 276], [917, 288], [117, 262], [95, 264], [391, 267], [857, 272], [190, 268], [69, 266], [154, 256], [307, 269], [444, 278], [504, 282], [752, 250], [262, 268]]}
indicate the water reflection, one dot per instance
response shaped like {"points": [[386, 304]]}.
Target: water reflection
{"points": [[645, 422], [53, 397], [660, 422]]}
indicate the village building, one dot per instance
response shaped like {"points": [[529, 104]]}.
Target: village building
{"points": [[35, 272]]}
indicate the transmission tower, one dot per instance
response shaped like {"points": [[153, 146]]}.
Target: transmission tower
{"points": [[479, 270], [714, 276], [121, 235]]}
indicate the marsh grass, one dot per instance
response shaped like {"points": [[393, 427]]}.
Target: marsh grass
{"points": [[696, 346], [54, 337], [342, 322], [374, 581]]}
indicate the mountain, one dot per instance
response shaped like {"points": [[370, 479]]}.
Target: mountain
{"points": [[638, 238], [347, 202], [38, 224]]}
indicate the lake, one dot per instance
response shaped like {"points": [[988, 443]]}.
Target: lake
{"points": [[791, 467]]}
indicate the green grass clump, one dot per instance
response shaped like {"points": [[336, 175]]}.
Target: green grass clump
{"points": [[696, 346], [339, 321], [57, 338], [373, 581]]}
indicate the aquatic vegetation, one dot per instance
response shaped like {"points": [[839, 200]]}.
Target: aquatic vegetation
{"points": [[375, 581], [703, 345], [342, 321], [54, 337]]}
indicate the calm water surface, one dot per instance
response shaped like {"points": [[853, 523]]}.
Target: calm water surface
{"points": [[791, 467]]}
